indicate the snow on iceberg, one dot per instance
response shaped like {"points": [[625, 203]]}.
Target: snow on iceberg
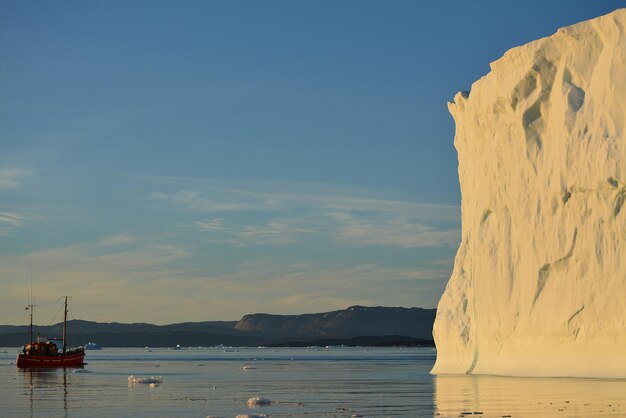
{"points": [[539, 280]]}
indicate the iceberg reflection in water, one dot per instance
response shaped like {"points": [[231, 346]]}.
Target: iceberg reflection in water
{"points": [[523, 396]]}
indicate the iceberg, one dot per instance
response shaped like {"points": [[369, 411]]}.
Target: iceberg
{"points": [[93, 346], [539, 280]]}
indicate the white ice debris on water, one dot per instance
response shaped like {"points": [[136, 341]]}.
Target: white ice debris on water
{"points": [[248, 367], [253, 416], [257, 401], [539, 280], [152, 380]]}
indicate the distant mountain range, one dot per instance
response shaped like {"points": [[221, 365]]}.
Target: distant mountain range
{"points": [[357, 325]]}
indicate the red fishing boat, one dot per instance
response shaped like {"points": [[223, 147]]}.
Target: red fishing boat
{"points": [[50, 352]]}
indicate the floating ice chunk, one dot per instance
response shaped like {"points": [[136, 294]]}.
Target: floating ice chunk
{"points": [[253, 416], [257, 401], [153, 385], [248, 367], [145, 380], [81, 371]]}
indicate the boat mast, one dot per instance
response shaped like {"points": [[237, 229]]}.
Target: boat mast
{"points": [[30, 308], [65, 326]]}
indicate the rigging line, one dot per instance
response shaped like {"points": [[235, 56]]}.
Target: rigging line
{"points": [[55, 315]]}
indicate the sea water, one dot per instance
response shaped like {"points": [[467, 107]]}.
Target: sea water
{"points": [[295, 382], [198, 382]]}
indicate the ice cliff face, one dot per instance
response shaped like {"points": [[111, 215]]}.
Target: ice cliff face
{"points": [[539, 280]]}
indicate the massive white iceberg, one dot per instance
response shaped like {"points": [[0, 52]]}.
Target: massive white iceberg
{"points": [[539, 280]]}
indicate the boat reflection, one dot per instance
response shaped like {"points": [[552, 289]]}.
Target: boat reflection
{"points": [[43, 387], [457, 395]]}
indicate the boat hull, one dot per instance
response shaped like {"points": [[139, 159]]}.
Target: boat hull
{"points": [[67, 360]]}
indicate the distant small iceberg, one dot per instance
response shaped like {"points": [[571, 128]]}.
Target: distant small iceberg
{"points": [[92, 346]]}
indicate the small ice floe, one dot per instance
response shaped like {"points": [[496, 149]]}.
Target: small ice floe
{"points": [[257, 401], [253, 416], [152, 380], [153, 385], [81, 371], [248, 367]]}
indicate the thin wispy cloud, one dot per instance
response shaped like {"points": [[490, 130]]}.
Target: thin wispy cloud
{"points": [[144, 282], [272, 233], [118, 239], [108, 254], [10, 177], [264, 195], [194, 201], [302, 211], [395, 231], [10, 219], [99, 274], [311, 287], [361, 204], [212, 225]]}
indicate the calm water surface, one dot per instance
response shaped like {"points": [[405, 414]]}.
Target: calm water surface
{"points": [[333, 382]]}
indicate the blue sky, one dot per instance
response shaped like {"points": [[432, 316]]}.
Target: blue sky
{"points": [[168, 161]]}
